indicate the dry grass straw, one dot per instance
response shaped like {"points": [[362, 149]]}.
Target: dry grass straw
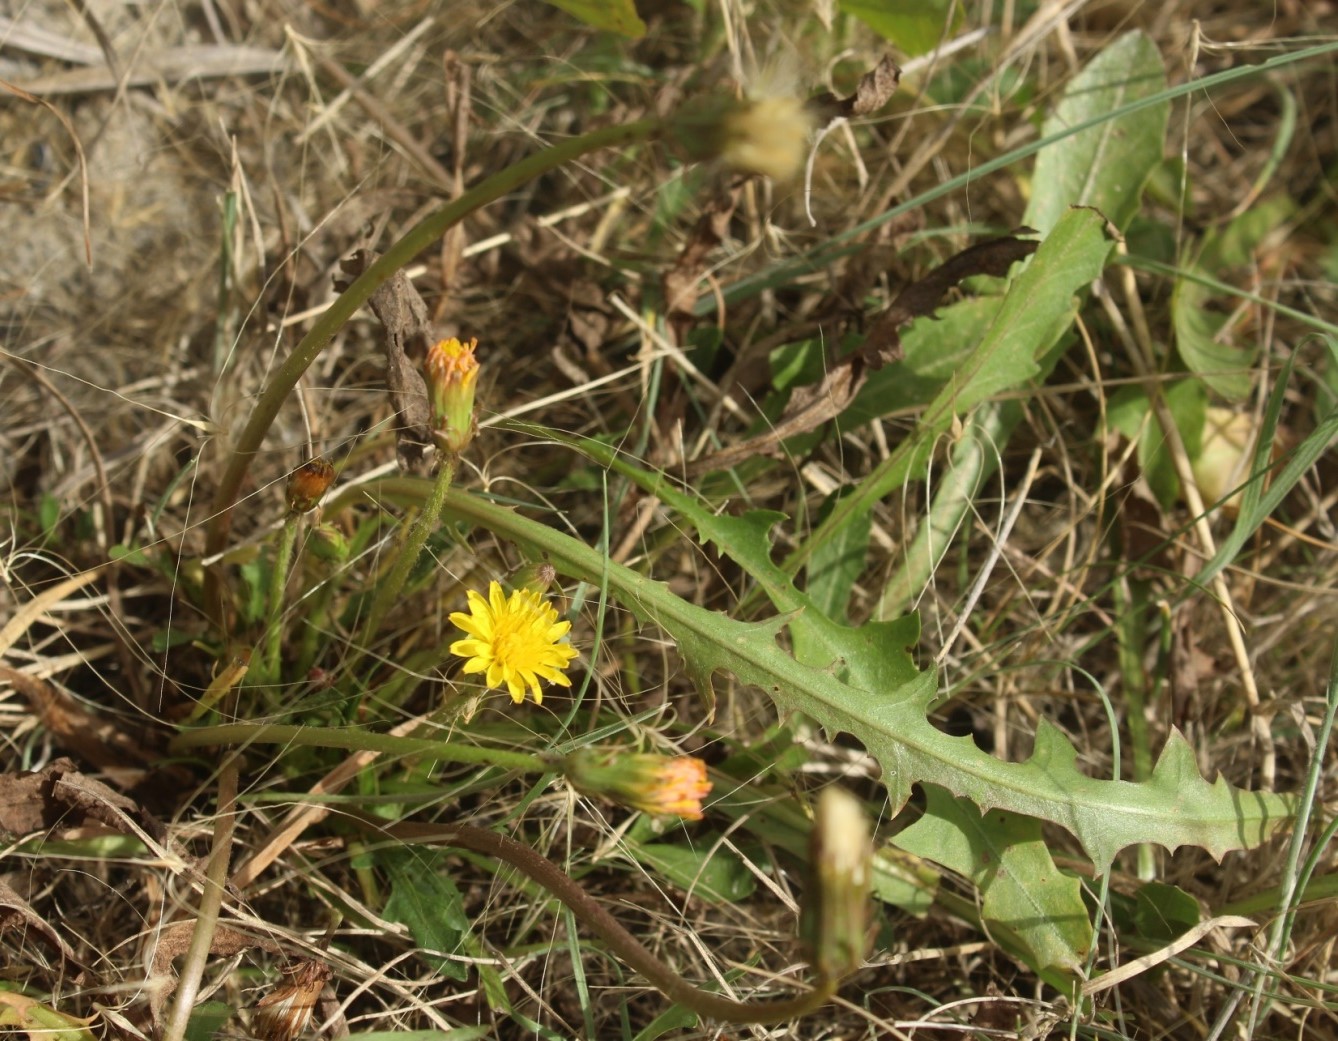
{"points": [[342, 129]]}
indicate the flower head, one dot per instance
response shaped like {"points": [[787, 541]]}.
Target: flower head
{"points": [[835, 917], [766, 135], [329, 544], [513, 641], [452, 372], [307, 484], [667, 786]]}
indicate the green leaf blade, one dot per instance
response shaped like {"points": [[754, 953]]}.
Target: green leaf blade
{"points": [[429, 904], [1037, 310], [915, 26], [1029, 905], [1174, 807], [1198, 328], [615, 16], [1107, 165]]}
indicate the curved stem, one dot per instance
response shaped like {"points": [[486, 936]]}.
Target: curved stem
{"points": [[356, 740], [622, 942], [414, 241]]}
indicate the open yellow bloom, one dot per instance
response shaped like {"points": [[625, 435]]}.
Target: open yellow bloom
{"points": [[513, 641]]}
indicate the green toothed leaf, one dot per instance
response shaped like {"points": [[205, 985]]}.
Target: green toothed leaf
{"points": [[863, 681]]}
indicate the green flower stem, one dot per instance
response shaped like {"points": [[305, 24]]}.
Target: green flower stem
{"points": [[355, 740], [593, 915], [278, 579], [317, 622], [211, 904], [1131, 634], [406, 556], [322, 331]]}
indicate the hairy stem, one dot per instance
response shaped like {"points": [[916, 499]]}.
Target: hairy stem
{"points": [[356, 740], [283, 559], [622, 942], [406, 556]]}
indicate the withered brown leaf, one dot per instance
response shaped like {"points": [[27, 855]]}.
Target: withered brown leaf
{"points": [[680, 281], [919, 299], [284, 1013], [871, 93], [94, 739], [408, 335], [15, 912]]}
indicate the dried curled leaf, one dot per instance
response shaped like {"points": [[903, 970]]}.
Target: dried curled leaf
{"points": [[993, 257], [287, 1011], [873, 91], [409, 333]]}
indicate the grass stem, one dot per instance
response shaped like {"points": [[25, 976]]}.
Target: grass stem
{"points": [[278, 580], [356, 740], [211, 903]]}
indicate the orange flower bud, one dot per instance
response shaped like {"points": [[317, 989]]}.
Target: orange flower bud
{"points": [[667, 786], [452, 372], [308, 483]]}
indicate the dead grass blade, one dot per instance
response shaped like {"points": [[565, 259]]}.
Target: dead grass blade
{"points": [[38, 605], [32, 98]]}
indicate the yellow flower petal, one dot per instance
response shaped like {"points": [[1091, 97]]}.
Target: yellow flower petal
{"points": [[514, 641]]}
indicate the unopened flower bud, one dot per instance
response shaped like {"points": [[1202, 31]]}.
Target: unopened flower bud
{"points": [[452, 372], [666, 786], [535, 577], [328, 543], [835, 917], [308, 483]]}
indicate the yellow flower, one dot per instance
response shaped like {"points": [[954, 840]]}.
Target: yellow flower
{"points": [[513, 641], [667, 786], [452, 371]]}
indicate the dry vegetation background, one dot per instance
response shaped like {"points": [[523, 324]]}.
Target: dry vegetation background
{"points": [[138, 331]]}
